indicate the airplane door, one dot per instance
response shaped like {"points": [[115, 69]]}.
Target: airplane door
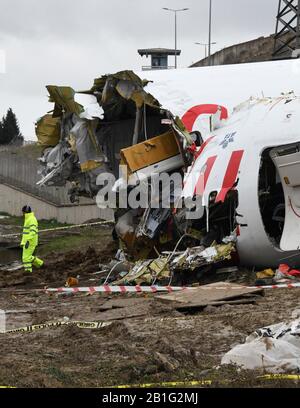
{"points": [[287, 162]]}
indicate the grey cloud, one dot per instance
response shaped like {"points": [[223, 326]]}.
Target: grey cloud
{"points": [[70, 42]]}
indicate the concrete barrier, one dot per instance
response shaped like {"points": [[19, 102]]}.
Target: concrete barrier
{"points": [[12, 199]]}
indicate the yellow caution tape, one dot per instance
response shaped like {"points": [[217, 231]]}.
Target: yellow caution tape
{"points": [[205, 382], [165, 384], [193, 382], [280, 377], [80, 324], [91, 224]]}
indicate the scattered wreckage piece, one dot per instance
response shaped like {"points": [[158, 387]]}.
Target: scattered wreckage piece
{"points": [[272, 349], [196, 257], [129, 310], [119, 303], [151, 270], [211, 294], [146, 272], [283, 274], [128, 307]]}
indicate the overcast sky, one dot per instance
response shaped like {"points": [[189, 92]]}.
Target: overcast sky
{"points": [[70, 42]]}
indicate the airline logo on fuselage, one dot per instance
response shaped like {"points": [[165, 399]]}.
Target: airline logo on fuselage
{"points": [[227, 139]]}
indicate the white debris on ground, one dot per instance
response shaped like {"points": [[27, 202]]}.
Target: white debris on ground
{"points": [[273, 349]]}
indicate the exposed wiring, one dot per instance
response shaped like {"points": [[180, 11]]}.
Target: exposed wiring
{"points": [[111, 270], [174, 250], [168, 259], [176, 246]]}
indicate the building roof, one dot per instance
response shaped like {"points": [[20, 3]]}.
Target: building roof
{"points": [[155, 51]]}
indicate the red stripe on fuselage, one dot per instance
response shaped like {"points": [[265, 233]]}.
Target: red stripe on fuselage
{"points": [[231, 174], [202, 181]]}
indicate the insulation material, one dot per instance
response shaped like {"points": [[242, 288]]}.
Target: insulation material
{"points": [[88, 155], [48, 131], [196, 257], [273, 349], [58, 167], [63, 97], [267, 273], [147, 271], [128, 85]]}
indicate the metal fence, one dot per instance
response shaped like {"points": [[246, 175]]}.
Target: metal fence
{"points": [[22, 172]]}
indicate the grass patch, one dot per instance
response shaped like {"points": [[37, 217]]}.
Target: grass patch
{"points": [[59, 375], [62, 241], [88, 237], [31, 151], [19, 221]]}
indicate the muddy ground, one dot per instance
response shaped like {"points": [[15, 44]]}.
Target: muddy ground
{"points": [[148, 341]]}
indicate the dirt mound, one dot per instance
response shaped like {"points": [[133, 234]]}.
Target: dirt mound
{"points": [[58, 267]]}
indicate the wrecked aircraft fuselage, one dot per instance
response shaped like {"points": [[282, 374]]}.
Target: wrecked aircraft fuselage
{"points": [[257, 148], [232, 182]]}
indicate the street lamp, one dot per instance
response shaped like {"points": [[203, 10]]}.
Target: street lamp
{"points": [[175, 11], [209, 33], [205, 44]]}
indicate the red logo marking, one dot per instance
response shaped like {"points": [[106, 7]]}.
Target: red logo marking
{"points": [[190, 117]]}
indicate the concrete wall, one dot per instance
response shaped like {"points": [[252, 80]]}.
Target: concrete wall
{"points": [[12, 199], [19, 170], [257, 50]]}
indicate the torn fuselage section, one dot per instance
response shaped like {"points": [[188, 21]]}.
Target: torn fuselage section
{"points": [[87, 130], [115, 143]]}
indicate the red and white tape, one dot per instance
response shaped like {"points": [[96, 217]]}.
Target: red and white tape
{"points": [[280, 286], [155, 289], [118, 289]]}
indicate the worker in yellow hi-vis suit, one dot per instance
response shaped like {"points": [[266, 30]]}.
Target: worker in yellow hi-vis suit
{"points": [[30, 240]]}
